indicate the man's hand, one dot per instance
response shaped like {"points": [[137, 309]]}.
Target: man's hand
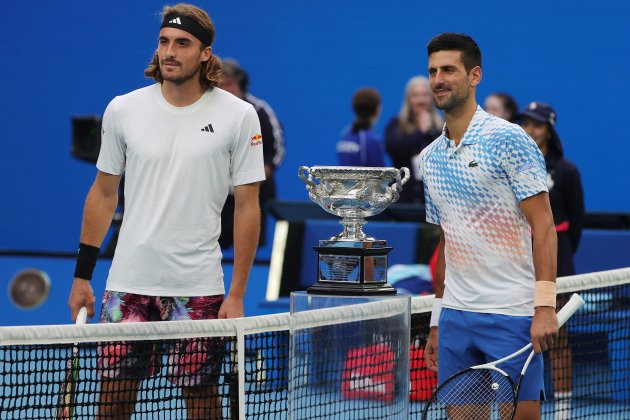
{"points": [[232, 307], [81, 295], [544, 328], [431, 350]]}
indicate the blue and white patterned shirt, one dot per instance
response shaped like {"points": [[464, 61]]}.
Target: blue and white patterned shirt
{"points": [[473, 192]]}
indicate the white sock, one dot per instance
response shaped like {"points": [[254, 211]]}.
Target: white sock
{"points": [[562, 404]]}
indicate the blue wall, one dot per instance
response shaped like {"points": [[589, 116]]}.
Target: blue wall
{"points": [[306, 58]]}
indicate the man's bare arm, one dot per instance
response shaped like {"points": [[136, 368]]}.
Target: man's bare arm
{"points": [[537, 211], [440, 267], [246, 235], [431, 348], [100, 206]]}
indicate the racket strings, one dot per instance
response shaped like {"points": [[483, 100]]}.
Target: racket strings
{"points": [[474, 394]]}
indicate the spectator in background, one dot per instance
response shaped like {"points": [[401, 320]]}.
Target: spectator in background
{"points": [[416, 126], [236, 81], [360, 145], [563, 181], [502, 105], [567, 205]]}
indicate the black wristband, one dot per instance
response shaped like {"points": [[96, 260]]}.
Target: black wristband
{"points": [[86, 261]]}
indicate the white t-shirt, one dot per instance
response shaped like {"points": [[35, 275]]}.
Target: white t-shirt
{"points": [[473, 192], [178, 164]]}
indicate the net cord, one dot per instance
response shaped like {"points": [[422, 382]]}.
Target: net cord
{"points": [[599, 279], [134, 331]]}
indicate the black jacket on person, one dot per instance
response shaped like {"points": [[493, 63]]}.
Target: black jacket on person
{"points": [[273, 143], [402, 147], [567, 204], [273, 155]]}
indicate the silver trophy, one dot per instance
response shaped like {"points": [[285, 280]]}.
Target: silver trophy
{"points": [[352, 262]]}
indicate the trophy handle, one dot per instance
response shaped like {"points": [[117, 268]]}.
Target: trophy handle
{"points": [[308, 181], [396, 187], [405, 178]]}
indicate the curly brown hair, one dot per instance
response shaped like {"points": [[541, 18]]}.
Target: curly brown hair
{"points": [[210, 71]]}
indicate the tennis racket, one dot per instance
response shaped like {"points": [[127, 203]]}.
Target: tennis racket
{"points": [[485, 391], [65, 406]]}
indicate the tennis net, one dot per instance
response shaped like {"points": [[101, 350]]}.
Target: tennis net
{"points": [[248, 360]]}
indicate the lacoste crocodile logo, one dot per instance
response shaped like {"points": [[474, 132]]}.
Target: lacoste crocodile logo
{"points": [[473, 164]]}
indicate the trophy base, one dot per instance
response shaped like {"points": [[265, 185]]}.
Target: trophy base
{"points": [[350, 289], [352, 268]]}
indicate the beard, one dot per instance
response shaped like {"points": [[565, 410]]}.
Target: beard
{"points": [[453, 101], [181, 78]]}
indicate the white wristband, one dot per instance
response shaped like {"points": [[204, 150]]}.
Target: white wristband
{"points": [[435, 312]]}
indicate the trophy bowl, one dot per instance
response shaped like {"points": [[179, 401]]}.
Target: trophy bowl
{"points": [[353, 193]]}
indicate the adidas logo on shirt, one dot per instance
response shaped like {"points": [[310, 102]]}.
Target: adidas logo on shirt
{"points": [[176, 20], [208, 128]]}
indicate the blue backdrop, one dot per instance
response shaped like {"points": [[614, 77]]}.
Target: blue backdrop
{"points": [[305, 58]]}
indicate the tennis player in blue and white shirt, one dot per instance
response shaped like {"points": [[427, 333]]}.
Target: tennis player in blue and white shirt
{"points": [[485, 186]]}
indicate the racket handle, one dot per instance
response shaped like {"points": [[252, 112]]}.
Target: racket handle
{"points": [[569, 309], [82, 316]]}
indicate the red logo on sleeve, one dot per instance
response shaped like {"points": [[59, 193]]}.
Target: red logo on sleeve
{"points": [[256, 140]]}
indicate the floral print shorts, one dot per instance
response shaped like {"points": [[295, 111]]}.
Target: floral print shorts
{"points": [[187, 362]]}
